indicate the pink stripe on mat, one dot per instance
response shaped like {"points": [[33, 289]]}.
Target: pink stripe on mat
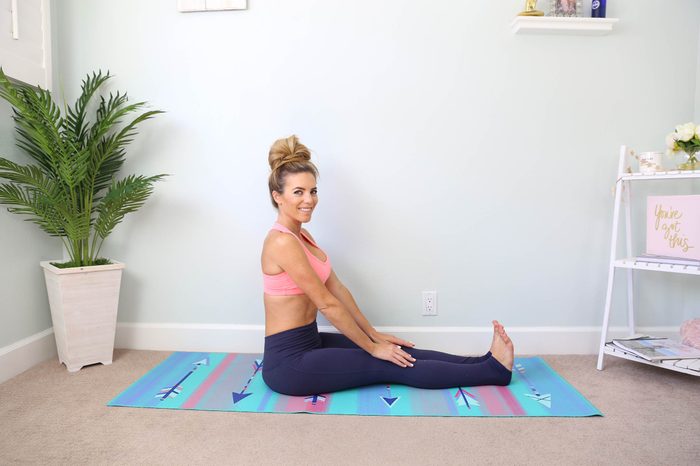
{"points": [[492, 401], [206, 385], [515, 408], [300, 403]]}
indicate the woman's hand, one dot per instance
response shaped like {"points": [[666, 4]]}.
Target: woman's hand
{"points": [[379, 337], [392, 353]]}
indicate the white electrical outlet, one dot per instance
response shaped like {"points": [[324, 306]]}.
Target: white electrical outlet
{"points": [[430, 303]]}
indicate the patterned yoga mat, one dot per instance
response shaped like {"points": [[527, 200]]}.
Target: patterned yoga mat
{"points": [[233, 382]]}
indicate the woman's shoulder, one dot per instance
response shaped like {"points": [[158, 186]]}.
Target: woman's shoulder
{"points": [[279, 241]]}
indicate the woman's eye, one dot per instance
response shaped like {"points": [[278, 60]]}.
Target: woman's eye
{"points": [[314, 192]]}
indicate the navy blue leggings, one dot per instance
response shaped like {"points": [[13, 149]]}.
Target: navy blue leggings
{"points": [[302, 361]]}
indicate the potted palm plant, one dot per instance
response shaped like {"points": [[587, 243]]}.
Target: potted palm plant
{"points": [[71, 192]]}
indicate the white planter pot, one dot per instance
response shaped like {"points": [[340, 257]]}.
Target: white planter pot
{"points": [[84, 302]]}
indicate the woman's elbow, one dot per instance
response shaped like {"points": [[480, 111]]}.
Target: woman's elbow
{"points": [[330, 309]]}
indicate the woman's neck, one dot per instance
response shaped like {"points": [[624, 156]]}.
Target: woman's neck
{"points": [[292, 225]]}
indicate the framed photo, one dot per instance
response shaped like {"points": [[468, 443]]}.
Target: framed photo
{"points": [[565, 8]]}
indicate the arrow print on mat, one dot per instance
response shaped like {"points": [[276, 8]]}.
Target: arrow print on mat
{"points": [[238, 396], [463, 397], [389, 400], [543, 399], [172, 392], [315, 399]]}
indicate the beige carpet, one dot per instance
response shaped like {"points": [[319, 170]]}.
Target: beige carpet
{"points": [[49, 416]]}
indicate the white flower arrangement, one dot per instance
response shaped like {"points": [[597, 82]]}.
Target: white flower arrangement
{"points": [[685, 138]]}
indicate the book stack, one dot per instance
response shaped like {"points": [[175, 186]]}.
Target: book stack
{"points": [[656, 349]]}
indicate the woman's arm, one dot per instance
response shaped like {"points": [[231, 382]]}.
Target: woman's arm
{"points": [[336, 287], [290, 256]]}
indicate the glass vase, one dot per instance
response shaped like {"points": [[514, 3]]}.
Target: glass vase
{"points": [[692, 163]]}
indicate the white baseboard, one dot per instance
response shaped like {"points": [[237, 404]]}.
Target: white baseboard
{"points": [[26, 353], [225, 338], [458, 340]]}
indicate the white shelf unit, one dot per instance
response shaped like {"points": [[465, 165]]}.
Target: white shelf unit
{"points": [[633, 263], [630, 264], [562, 25]]}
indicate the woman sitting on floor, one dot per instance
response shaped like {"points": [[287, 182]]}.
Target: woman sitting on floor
{"points": [[299, 282]]}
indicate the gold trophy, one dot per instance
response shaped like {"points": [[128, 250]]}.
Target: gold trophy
{"points": [[530, 9]]}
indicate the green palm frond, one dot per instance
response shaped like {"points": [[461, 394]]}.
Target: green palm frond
{"points": [[109, 153], [122, 197], [32, 193], [76, 126], [26, 174], [36, 188], [38, 122], [70, 192], [25, 201]]}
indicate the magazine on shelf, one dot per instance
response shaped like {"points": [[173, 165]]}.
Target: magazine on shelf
{"points": [[656, 349], [667, 260]]}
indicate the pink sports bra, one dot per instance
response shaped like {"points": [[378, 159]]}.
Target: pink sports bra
{"points": [[281, 284]]}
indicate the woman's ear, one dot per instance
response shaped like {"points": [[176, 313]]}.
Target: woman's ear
{"points": [[276, 196]]}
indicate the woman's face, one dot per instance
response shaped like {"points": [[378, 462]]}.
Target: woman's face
{"points": [[299, 197]]}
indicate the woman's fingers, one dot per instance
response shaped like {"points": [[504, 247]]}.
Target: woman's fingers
{"points": [[393, 353], [406, 355], [398, 360], [399, 341], [404, 342], [403, 357]]}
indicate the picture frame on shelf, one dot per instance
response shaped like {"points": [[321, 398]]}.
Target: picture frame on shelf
{"points": [[565, 8]]}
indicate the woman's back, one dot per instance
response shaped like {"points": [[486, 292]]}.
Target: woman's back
{"points": [[286, 305]]}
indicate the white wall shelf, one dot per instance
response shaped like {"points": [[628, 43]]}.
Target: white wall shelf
{"points": [[561, 25]]}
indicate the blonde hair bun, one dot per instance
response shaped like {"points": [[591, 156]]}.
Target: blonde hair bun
{"points": [[287, 150]]}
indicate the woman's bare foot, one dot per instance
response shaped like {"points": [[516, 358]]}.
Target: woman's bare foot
{"points": [[502, 346]]}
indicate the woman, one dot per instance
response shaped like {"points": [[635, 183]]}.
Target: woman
{"points": [[299, 282]]}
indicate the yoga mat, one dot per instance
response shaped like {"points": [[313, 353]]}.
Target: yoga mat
{"points": [[233, 382]]}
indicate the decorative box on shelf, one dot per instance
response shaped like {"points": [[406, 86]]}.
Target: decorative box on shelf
{"points": [[673, 226], [562, 25]]}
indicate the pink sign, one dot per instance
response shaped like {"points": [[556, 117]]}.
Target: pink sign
{"points": [[673, 226]]}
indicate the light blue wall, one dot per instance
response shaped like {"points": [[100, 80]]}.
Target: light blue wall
{"points": [[454, 155], [24, 308]]}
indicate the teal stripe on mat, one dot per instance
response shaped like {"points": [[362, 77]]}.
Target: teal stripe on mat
{"points": [[233, 382]]}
